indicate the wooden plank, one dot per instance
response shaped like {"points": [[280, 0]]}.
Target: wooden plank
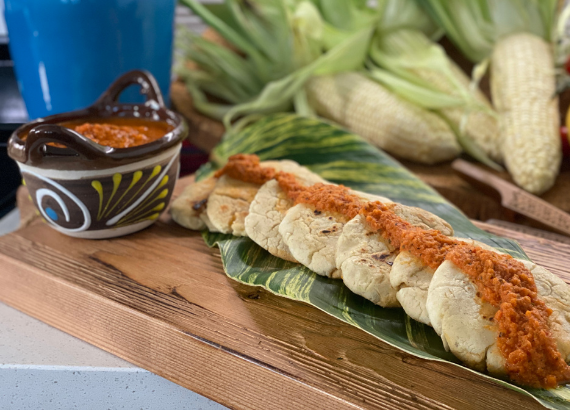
{"points": [[530, 231], [184, 358], [160, 299]]}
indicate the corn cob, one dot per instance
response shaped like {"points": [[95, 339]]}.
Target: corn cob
{"points": [[523, 90], [479, 125], [395, 125]]}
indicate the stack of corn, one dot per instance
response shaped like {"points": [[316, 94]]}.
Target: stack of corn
{"points": [[349, 98], [428, 88], [515, 35], [472, 115], [410, 99]]}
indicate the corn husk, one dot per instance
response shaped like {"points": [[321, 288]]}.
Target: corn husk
{"points": [[404, 59], [515, 36], [411, 65], [381, 117], [280, 44]]}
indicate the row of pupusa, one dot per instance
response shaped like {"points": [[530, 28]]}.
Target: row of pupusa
{"points": [[332, 246]]}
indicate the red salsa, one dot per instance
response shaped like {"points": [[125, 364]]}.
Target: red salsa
{"points": [[120, 132]]}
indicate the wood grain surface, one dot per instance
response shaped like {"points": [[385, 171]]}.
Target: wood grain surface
{"points": [[159, 299]]}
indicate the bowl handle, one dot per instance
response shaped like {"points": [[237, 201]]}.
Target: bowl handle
{"points": [[43, 134], [145, 79]]}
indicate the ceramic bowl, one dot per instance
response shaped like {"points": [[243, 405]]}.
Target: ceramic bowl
{"points": [[88, 190]]}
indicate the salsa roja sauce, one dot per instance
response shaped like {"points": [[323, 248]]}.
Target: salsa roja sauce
{"points": [[120, 132], [525, 341], [247, 168]]}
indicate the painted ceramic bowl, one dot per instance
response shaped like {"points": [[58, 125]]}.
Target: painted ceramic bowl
{"points": [[88, 190]]}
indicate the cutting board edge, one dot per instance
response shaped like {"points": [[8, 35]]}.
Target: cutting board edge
{"points": [[49, 291]]}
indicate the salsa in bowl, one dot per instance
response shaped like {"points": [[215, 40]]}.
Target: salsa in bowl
{"points": [[105, 171]]}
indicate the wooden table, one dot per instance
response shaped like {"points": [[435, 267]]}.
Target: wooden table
{"points": [[160, 299]]}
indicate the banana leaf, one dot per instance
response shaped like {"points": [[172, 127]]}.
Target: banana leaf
{"points": [[344, 158]]}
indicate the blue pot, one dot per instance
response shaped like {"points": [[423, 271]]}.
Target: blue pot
{"points": [[66, 52]]}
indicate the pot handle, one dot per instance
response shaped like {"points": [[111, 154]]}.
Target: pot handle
{"points": [[44, 134], [145, 79]]}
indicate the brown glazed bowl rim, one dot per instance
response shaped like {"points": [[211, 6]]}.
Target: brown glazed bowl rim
{"points": [[81, 153]]}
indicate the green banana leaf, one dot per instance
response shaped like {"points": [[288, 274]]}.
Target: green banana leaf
{"points": [[344, 158]]}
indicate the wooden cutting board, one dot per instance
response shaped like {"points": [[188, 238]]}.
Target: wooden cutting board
{"points": [[159, 299]]}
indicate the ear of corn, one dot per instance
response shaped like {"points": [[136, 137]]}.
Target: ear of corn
{"points": [[386, 120], [480, 125], [404, 59], [516, 35], [413, 56], [523, 86]]}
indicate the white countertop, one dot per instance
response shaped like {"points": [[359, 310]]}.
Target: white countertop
{"points": [[44, 368]]}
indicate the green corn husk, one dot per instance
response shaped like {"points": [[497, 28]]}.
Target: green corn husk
{"points": [[346, 159], [407, 62], [404, 58], [475, 26], [514, 37], [562, 49], [351, 15], [280, 44]]}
